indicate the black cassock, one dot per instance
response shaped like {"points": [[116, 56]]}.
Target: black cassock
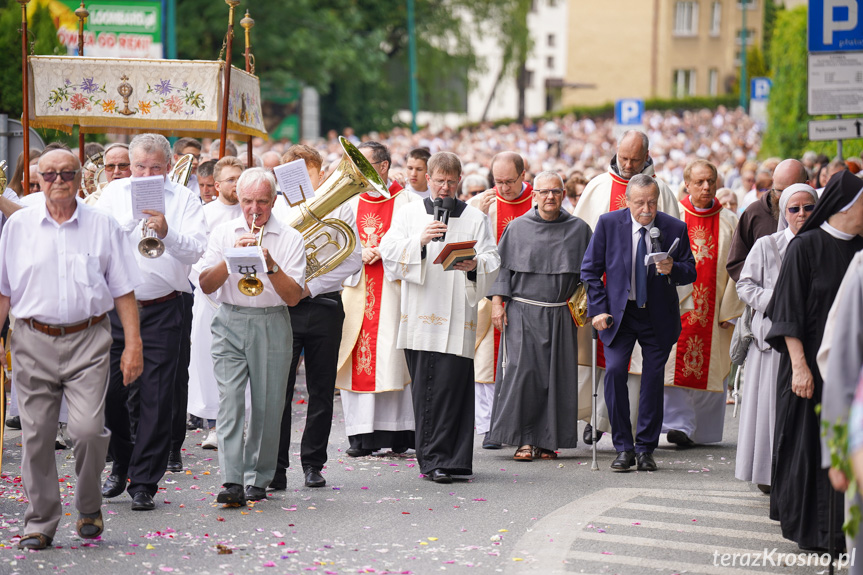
{"points": [[811, 273]]}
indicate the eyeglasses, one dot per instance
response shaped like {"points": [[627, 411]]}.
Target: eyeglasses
{"points": [[65, 175], [35, 186], [796, 209], [120, 167], [506, 183], [228, 181], [445, 183], [556, 192]]}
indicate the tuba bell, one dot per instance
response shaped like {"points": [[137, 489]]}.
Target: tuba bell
{"points": [[3, 178], [94, 166], [330, 241]]}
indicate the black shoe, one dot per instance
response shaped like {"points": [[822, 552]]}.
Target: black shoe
{"points": [[680, 438], [255, 493], [114, 486], [175, 462], [314, 478], [358, 452], [645, 462], [142, 501], [231, 494], [14, 422], [194, 423], [440, 476], [489, 444], [623, 461], [765, 489], [587, 436], [279, 482]]}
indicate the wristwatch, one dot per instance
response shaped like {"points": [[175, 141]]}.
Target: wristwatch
{"points": [[274, 270]]}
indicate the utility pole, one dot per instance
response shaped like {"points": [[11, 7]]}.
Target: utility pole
{"points": [[744, 81]]}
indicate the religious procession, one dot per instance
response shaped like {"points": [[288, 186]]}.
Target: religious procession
{"points": [[270, 324]]}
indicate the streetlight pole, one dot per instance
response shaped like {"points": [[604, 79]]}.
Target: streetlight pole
{"points": [[744, 81], [412, 51]]}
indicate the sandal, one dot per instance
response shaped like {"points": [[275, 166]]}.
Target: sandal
{"points": [[546, 453], [524, 453], [89, 527], [34, 541]]}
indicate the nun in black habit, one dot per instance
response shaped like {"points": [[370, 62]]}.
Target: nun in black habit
{"points": [[813, 268]]}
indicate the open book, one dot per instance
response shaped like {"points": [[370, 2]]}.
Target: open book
{"points": [[455, 252]]}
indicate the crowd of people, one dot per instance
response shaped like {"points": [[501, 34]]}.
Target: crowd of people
{"points": [[677, 238]]}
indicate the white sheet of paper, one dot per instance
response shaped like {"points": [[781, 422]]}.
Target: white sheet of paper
{"points": [[656, 257], [248, 260], [294, 181], [148, 193]]}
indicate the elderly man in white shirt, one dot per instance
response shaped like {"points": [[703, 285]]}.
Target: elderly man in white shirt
{"points": [[252, 337], [141, 432], [60, 289]]}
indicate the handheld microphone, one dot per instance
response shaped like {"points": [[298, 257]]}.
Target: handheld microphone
{"points": [[442, 208], [656, 239]]}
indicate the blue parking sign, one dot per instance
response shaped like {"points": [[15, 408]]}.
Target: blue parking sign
{"points": [[628, 112], [835, 25], [760, 88]]}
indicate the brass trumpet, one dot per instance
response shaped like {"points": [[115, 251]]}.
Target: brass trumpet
{"points": [[150, 245], [249, 284]]}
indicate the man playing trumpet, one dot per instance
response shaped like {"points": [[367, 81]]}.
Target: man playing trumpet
{"points": [[252, 337]]}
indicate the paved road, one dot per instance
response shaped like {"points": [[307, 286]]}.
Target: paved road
{"points": [[376, 515]]}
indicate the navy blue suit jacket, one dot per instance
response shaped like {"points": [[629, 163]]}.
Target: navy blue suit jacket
{"points": [[610, 253]]}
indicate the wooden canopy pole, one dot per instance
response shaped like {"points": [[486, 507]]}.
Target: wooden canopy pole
{"points": [[229, 44], [25, 82], [247, 24]]}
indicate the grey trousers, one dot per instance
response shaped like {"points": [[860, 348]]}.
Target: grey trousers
{"points": [[48, 369], [250, 345]]}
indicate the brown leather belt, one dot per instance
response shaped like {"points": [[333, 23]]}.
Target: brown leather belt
{"points": [[55, 331], [164, 298]]}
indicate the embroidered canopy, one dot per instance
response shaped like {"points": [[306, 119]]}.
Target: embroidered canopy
{"points": [[173, 97]]}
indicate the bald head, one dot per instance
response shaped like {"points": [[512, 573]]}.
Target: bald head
{"points": [[632, 153], [271, 159], [788, 172]]}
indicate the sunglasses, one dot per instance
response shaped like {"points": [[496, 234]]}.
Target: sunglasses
{"points": [[65, 175], [120, 167], [796, 209]]}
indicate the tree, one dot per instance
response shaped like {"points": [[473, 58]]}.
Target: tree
{"points": [[787, 134], [43, 38], [354, 52]]}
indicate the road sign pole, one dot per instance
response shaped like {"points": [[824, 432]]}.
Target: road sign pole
{"points": [[839, 153]]}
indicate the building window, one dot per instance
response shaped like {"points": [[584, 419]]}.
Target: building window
{"points": [[528, 78], [533, 6], [716, 19], [549, 62], [750, 37], [686, 19], [683, 83], [713, 82], [551, 40], [749, 4]]}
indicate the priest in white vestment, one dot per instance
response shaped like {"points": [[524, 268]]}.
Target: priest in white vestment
{"points": [[437, 326], [607, 193], [203, 390]]}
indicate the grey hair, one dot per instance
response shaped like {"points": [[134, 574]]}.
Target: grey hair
{"points": [[116, 145], [253, 177], [474, 180], [547, 175], [641, 181], [644, 141], [149, 143]]}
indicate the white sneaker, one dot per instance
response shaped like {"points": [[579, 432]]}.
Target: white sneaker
{"points": [[212, 441]]}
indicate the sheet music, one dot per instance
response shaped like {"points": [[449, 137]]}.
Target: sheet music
{"points": [[294, 181], [656, 257], [148, 193], [247, 260]]}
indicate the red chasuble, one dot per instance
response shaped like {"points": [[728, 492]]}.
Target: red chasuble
{"points": [[692, 364], [374, 217], [506, 212], [618, 192]]}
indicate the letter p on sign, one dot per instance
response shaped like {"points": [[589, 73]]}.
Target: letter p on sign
{"points": [[629, 112], [831, 25]]}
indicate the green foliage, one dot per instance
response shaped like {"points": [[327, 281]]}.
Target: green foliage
{"points": [[771, 11], [837, 443], [756, 67], [43, 35], [787, 134], [354, 52]]}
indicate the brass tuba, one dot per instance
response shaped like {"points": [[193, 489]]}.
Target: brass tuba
{"points": [[94, 167], [3, 178], [182, 170], [326, 249]]}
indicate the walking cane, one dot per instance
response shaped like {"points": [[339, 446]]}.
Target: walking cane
{"points": [[594, 433]]}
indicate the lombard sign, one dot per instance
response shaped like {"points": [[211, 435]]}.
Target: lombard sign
{"points": [[835, 25], [115, 28]]}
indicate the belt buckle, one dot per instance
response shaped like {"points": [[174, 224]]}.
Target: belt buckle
{"points": [[62, 330]]}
